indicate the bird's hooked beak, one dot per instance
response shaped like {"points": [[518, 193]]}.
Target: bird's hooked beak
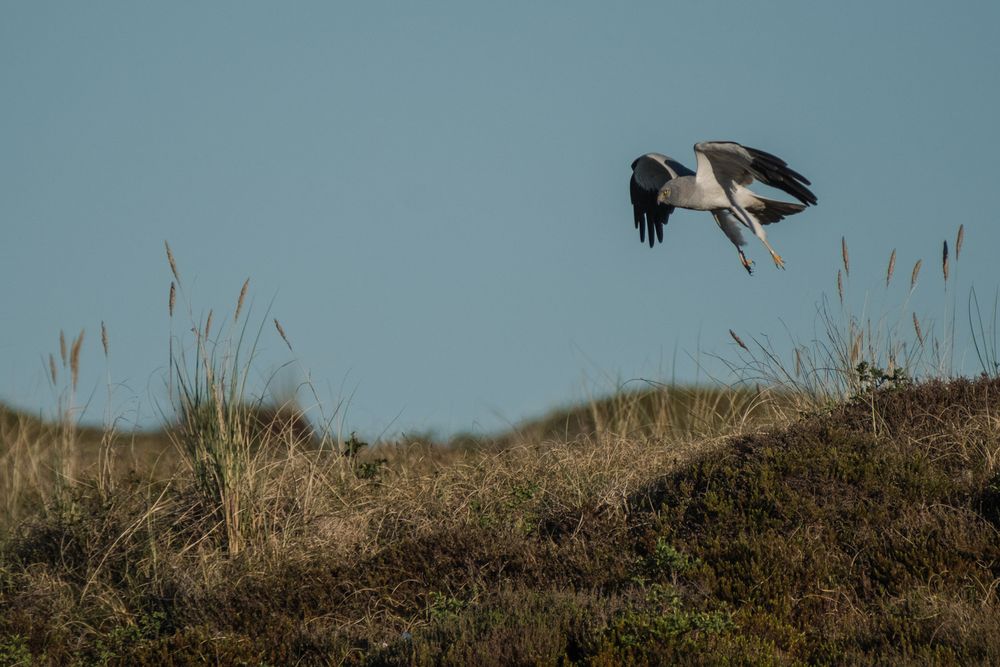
{"points": [[663, 196]]}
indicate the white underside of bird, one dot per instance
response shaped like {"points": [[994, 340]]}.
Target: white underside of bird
{"points": [[660, 184]]}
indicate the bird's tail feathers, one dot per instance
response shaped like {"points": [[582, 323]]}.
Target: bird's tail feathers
{"points": [[772, 210]]}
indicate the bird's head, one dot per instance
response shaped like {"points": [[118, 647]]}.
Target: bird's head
{"points": [[663, 197]]}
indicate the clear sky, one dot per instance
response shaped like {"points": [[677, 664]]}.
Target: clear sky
{"points": [[434, 196]]}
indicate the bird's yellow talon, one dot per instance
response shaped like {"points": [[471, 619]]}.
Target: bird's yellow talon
{"points": [[778, 262]]}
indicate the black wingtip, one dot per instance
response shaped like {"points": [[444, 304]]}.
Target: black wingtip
{"points": [[777, 173]]}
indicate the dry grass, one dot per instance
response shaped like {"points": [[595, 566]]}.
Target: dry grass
{"points": [[825, 510], [858, 347], [422, 492], [596, 456], [342, 554], [168, 537], [38, 457]]}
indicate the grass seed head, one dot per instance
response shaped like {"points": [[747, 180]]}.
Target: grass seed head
{"points": [[840, 286], [892, 267], [208, 324], [74, 359], [104, 338], [916, 328], [52, 368], [845, 256], [959, 240], [856, 349], [281, 332], [944, 261], [173, 298], [173, 264], [738, 340], [62, 347], [915, 273], [239, 302]]}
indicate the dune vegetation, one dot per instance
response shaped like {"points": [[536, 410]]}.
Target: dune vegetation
{"points": [[840, 507]]}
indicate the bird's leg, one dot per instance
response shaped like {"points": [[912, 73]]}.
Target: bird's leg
{"points": [[758, 231], [747, 264], [778, 262], [757, 228]]}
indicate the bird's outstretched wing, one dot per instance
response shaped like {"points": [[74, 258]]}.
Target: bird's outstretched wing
{"points": [[728, 162], [649, 174]]}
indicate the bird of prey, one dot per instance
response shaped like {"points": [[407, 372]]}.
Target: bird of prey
{"points": [[725, 169]]}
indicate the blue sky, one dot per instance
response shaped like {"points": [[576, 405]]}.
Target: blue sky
{"points": [[433, 196]]}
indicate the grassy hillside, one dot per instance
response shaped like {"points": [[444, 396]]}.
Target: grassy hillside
{"points": [[842, 514], [866, 533]]}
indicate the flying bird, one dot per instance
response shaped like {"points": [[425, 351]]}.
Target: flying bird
{"points": [[660, 184]]}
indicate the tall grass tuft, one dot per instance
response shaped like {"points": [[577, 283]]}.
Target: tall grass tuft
{"points": [[212, 433], [219, 435], [40, 458], [857, 351]]}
